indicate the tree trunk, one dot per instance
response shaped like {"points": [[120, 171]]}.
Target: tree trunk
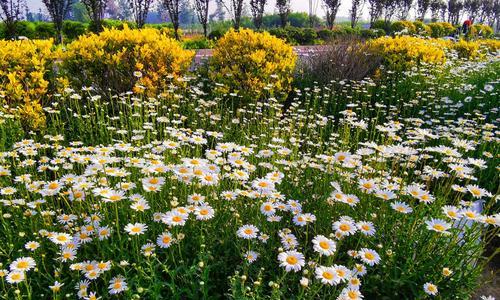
{"points": [[205, 33], [283, 18], [59, 37], [176, 32]]}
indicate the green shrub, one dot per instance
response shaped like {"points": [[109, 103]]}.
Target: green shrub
{"points": [[482, 30], [382, 24], [117, 24], [422, 29], [405, 27], [159, 25], [216, 34], [198, 43], [325, 34], [44, 30], [72, 29], [372, 33], [27, 29], [303, 36], [2, 31], [295, 35], [449, 29], [437, 30], [339, 31], [282, 34]]}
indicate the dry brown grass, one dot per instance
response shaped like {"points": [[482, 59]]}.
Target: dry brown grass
{"points": [[345, 58]]}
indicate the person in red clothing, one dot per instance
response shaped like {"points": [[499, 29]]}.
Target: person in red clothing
{"points": [[466, 26]]}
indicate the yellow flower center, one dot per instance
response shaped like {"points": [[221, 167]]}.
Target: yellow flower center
{"points": [[291, 260], [369, 256], [328, 275], [438, 227], [324, 245], [344, 227]]}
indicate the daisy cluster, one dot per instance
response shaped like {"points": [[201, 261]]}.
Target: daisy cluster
{"points": [[315, 204]]}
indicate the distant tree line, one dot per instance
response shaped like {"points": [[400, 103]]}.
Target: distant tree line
{"points": [[180, 12]]}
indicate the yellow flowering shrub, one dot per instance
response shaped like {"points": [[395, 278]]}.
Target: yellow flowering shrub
{"points": [[24, 71], [402, 52], [422, 29], [481, 30], [249, 63], [490, 45], [440, 29], [123, 60], [403, 26], [466, 49]]}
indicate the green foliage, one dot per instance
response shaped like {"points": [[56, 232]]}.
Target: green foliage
{"points": [[403, 27], [372, 33], [198, 43], [481, 30], [216, 34], [72, 29], [295, 35], [422, 29], [44, 30], [325, 34], [382, 24], [437, 30], [441, 29], [117, 24], [79, 12], [27, 29], [296, 19]]}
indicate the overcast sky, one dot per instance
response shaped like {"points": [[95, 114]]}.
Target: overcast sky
{"points": [[297, 5]]}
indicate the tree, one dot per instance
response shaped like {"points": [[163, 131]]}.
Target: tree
{"points": [[443, 10], [332, 7], [172, 7], [187, 13], [435, 7], [235, 9], [484, 10], [95, 9], [201, 7], [454, 9], [79, 12], [472, 7], [11, 14], [494, 16], [356, 11], [257, 8], [219, 14], [404, 7], [283, 7], [123, 10], [375, 11], [140, 9], [112, 9], [389, 9], [422, 7], [58, 10]]}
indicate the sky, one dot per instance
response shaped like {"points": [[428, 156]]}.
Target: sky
{"points": [[297, 6]]}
